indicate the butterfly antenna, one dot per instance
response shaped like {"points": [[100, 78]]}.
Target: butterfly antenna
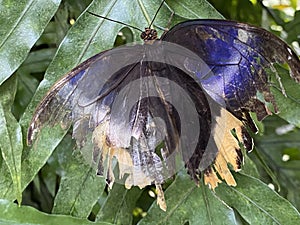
{"points": [[161, 4], [112, 20]]}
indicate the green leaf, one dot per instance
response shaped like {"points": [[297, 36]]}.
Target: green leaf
{"points": [[194, 9], [257, 203], [68, 10], [249, 167], [254, 201], [188, 203], [26, 87], [243, 11], [37, 61], [291, 28], [21, 24], [119, 205], [11, 214], [281, 139], [6, 181], [34, 159], [80, 187], [11, 143], [79, 191], [289, 106]]}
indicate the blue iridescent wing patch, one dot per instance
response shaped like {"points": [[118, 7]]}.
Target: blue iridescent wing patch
{"points": [[241, 58], [143, 111]]}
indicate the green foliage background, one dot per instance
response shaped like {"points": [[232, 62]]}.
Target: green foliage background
{"points": [[53, 185]]}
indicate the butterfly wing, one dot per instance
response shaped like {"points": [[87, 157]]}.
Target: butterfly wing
{"points": [[241, 58], [72, 99], [56, 105], [129, 110]]}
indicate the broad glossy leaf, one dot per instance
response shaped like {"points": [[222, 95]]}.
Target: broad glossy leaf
{"points": [[79, 189], [190, 204], [257, 203], [119, 205], [280, 149], [11, 143], [11, 214], [291, 28], [21, 24], [66, 15], [11, 146], [289, 105], [6, 181], [243, 11], [194, 9], [252, 199]]}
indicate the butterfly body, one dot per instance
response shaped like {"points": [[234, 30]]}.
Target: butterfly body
{"points": [[143, 107]]}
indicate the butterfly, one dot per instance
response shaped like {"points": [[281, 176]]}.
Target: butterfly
{"points": [[144, 111]]}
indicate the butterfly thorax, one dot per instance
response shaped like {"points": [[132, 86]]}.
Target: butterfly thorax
{"points": [[149, 35]]}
